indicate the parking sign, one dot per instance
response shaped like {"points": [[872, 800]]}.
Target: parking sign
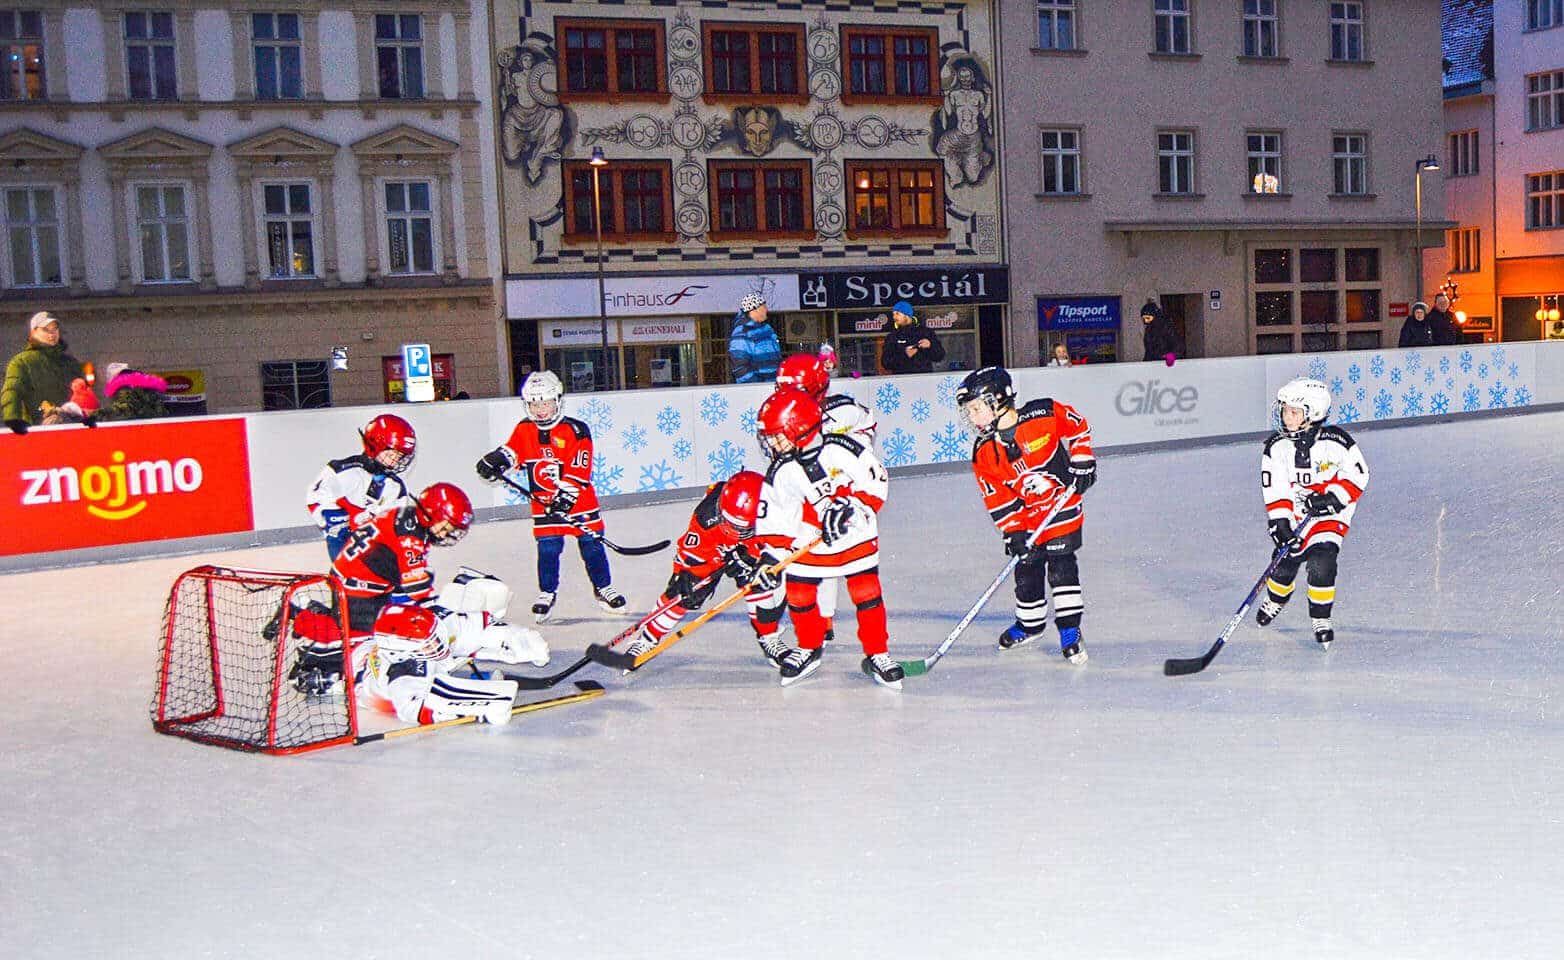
{"points": [[418, 372]]}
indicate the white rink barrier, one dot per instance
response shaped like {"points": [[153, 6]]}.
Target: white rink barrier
{"points": [[72, 488]]}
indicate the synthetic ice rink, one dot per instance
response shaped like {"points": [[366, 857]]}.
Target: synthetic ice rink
{"points": [[1398, 796]]}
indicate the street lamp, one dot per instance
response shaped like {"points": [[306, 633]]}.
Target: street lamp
{"points": [[1429, 162], [598, 162]]}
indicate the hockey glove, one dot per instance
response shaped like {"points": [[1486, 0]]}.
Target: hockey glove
{"points": [[836, 520], [740, 564], [764, 581], [1322, 504], [493, 465], [564, 501], [1282, 535], [1016, 543], [1084, 473], [690, 591], [18, 427]]}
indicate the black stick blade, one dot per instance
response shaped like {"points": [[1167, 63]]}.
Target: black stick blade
{"points": [[1174, 667], [609, 657], [637, 551]]}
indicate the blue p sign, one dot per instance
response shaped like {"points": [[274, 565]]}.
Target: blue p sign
{"points": [[418, 372]]}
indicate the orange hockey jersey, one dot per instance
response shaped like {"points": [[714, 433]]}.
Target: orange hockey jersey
{"points": [[553, 459], [1024, 470]]}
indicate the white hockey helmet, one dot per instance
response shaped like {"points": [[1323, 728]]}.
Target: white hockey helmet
{"points": [[543, 388], [1310, 396]]}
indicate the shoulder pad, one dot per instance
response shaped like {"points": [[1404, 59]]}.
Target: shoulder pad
{"points": [[407, 522], [832, 401], [771, 471], [843, 440], [1273, 440], [1033, 409], [1337, 434], [706, 512], [578, 427], [348, 463]]}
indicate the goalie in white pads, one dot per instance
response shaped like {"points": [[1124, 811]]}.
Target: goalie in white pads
{"points": [[1308, 468], [408, 663]]}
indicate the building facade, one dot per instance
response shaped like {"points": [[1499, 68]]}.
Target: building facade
{"points": [[1254, 171], [833, 158], [1504, 161], [227, 193]]}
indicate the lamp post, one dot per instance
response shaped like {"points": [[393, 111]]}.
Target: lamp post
{"points": [[1429, 162], [598, 162]]}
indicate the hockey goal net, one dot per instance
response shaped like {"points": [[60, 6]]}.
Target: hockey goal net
{"points": [[228, 646]]}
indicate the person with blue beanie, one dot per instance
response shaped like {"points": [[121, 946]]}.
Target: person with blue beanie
{"points": [[910, 346]]}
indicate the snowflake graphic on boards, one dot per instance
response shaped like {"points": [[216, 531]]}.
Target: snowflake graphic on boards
{"points": [[1498, 396], [683, 449], [598, 415], [633, 438], [1362, 394], [1384, 404], [669, 421], [887, 397], [1348, 413], [1354, 373], [1414, 360], [1515, 371], [946, 392], [1444, 365], [1464, 361], [726, 460], [1450, 383], [714, 409], [1497, 356], [1482, 371], [951, 444], [1412, 403], [901, 448], [921, 411], [1470, 398], [1317, 368], [1395, 375], [1377, 366], [747, 421], [1336, 387], [606, 478], [1521, 397], [1428, 377], [658, 476], [1439, 403]]}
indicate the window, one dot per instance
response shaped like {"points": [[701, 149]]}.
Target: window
{"points": [[32, 233], [1262, 29], [769, 197], [1463, 154], [21, 55], [290, 230], [613, 56], [744, 60], [1061, 161], [1346, 30], [1265, 161], [295, 385], [1545, 200], [409, 228], [895, 197], [1542, 14], [1172, 26], [399, 55], [1465, 254], [163, 229], [277, 56], [1349, 164], [637, 200], [1056, 24], [1176, 162], [1545, 100], [149, 55], [886, 63], [1317, 299]]}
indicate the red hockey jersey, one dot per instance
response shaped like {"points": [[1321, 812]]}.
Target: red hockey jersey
{"points": [[390, 555], [553, 459], [1041, 445]]}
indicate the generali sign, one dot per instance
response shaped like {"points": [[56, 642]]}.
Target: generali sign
{"points": [[67, 489], [672, 294]]}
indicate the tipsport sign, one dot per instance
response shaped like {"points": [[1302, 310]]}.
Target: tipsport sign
{"points": [[69, 489]]}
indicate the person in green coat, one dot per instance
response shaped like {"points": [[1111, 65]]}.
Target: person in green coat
{"points": [[41, 373]]}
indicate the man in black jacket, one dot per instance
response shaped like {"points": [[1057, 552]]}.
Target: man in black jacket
{"points": [[910, 346], [1424, 329], [1159, 335]]}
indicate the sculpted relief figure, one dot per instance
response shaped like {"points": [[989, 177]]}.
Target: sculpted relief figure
{"points": [[532, 122], [963, 126]]}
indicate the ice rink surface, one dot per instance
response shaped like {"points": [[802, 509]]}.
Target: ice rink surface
{"points": [[1396, 797]]}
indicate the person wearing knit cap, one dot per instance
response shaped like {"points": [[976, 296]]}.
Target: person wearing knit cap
{"points": [[41, 373], [132, 395], [910, 346], [1423, 330]]}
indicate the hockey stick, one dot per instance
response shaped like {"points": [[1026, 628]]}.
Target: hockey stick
{"points": [[627, 551], [917, 668], [1176, 667], [623, 661], [585, 690], [543, 683]]}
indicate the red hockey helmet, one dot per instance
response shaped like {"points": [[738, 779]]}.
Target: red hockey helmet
{"points": [[789, 415], [389, 432], [739, 502], [445, 502], [805, 372], [410, 629]]}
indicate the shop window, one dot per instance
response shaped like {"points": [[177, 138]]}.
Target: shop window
{"points": [[860, 336], [1273, 266], [744, 60], [613, 57], [896, 198], [1337, 293], [295, 385], [768, 198], [393, 378], [21, 55], [888, 64], [636, 198], [1317, 265]]}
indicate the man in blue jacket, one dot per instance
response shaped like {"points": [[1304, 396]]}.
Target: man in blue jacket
{"points": [[753, 349]]}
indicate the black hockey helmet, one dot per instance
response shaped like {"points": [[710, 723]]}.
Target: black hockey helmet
{"points": [[990, 384]]}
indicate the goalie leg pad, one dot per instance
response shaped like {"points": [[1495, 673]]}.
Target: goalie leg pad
{"points": [[508, 643], [450, 697], [475, 592]]}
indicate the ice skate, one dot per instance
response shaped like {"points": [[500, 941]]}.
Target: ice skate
{"points": [[798, 664], [1267, 611], [773, 648], [1016, 635], [543, 607], [885, 671], [1323, 634], [1070, 645], [609, 599]]}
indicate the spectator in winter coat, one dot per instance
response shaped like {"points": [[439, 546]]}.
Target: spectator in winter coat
{"points": [[1443, 322], [1422, 329], [41, 373], [753, 349], [910, 346], [1158, 333], [133, 395]]}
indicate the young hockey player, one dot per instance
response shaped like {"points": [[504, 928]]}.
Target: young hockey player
{"points": [[1308, 469], [840, 413], [741, 528], [351, 491], [555, 452], [383, 561], [1026, 459], [842, 486]]}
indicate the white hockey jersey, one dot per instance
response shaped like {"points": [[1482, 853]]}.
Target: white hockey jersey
{"points": [[1325, 461], [844, 416], [842, 468], [350, 486], [404, 677]]}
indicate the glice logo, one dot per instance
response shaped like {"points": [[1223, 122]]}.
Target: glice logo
{"points": [[109, 489], [1137, 398]]}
